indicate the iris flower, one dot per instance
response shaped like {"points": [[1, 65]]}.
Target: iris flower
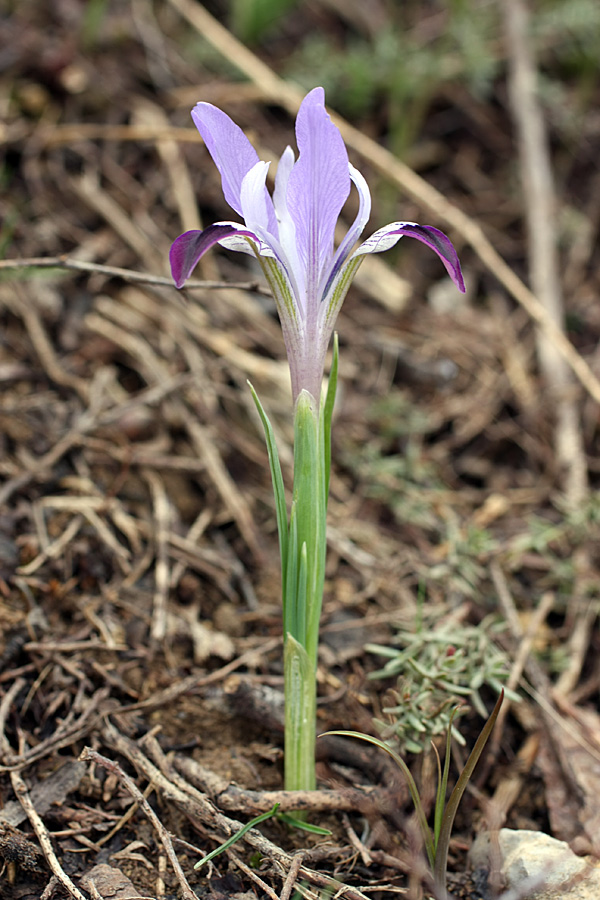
{"points": [[292, 233]]}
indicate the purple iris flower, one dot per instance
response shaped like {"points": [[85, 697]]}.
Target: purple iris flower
{"points": [[292, 233]]}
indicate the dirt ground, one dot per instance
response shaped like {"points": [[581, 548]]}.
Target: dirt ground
{"points": [[140, 619]]}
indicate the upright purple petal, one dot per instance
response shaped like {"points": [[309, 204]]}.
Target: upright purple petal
{"points": [[318, 186], [232, 153]]}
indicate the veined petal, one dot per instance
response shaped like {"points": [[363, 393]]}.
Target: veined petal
{"points": [[232, 152], [318, 187], [189, 247], [257, 206], [355, 231], [282, 177], [287, 229], [388, 237]]}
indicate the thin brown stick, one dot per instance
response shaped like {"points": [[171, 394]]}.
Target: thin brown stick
{"points": [[73, 728], [129, 275], [241, 865], [114, 768], [41, 832], [162, 516], [20, 304], [232, 798], [200, 810], [540, 216], [291, 877], [193, 682], [7, 701]]}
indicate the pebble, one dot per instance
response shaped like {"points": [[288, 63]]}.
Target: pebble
{"points": [[536, 866]]}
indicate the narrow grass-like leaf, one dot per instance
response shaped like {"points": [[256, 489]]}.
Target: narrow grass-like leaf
{"points": [[440, 795], [235, 837], [301, 589], [412, 786], [290, 588], [441, 855], [277, 479], [295, 822], [442, 787]]}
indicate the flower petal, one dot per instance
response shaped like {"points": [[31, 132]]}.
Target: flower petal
{"points": [[355, 231], [388, 237], [318, 187], [187, 249], [257, 206], [232, 152]]}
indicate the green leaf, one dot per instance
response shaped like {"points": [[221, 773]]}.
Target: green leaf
{"points": [[309, 495], [441, 856], [235, 837], [328, 411], [290, 587], [412, 786], [300, 717], [295, 822], [277, 479]]}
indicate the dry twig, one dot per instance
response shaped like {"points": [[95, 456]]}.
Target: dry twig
{"points": [[43, 837], [540, 215], [92, 756]]}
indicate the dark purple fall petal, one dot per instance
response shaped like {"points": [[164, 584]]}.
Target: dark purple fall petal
{"points": [[187, 249], [442, 245]]}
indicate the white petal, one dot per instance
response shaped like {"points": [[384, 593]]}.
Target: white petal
{"points": [[254, 197]]}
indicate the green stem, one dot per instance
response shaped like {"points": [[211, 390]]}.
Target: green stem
{"points": [[303, 545], [300, 718]]}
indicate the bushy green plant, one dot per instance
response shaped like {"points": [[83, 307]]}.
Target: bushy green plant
{"points": [[437, 668]]}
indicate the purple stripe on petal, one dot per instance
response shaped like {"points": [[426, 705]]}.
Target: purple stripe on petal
{"points": [[442, 245], [387, 237], [354, 232], [187, 249]]}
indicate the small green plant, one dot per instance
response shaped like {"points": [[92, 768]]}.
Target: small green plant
{"points": [[437, 838], [283, 817], [463, 568], [437, 668], [393, 465]]}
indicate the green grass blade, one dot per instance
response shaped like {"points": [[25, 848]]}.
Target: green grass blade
{"points": [[290, 588], [440, 795], [441, 856], [442, 788], [235, 837], [412, 786], [301, 594], [294, 822]]}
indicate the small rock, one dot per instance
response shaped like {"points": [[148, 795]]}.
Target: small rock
{"points": [[538, 867]]}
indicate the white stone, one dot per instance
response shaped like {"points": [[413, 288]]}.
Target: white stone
{"points": [[538, 867]]}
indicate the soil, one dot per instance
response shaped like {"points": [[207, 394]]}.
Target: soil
{"points": [[140, 617]]}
